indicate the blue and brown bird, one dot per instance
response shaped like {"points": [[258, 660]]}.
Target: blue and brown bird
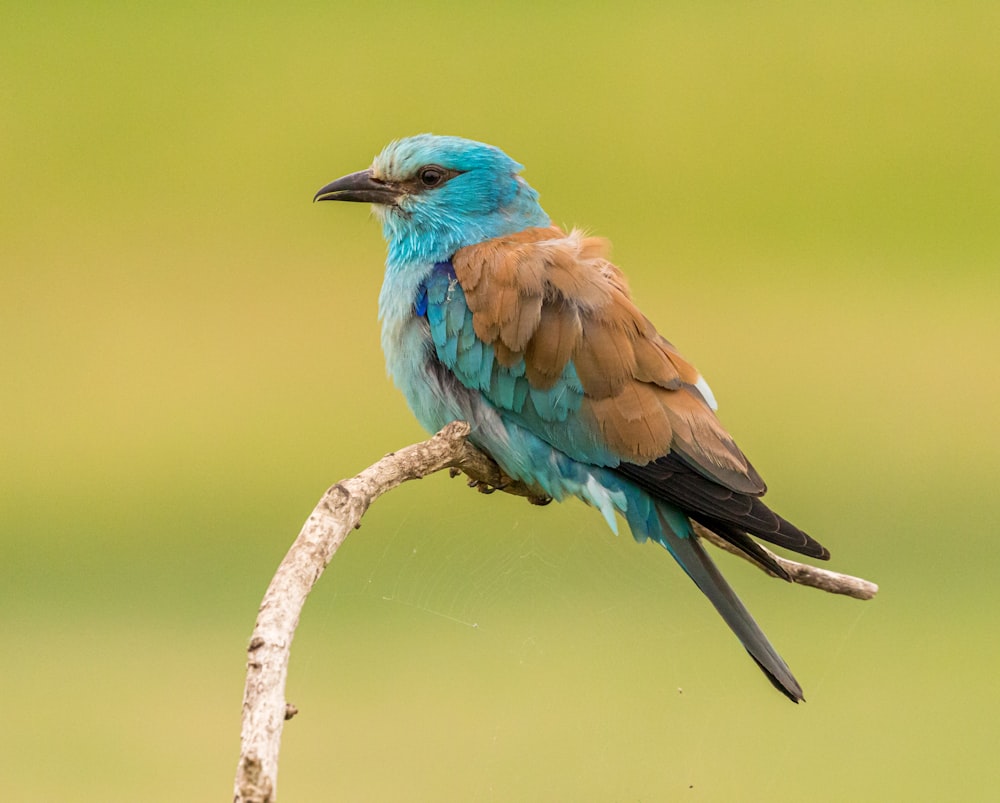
{"points": [[492, 315]]}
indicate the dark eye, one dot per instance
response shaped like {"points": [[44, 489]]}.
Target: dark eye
{"points": [[432, 175]]}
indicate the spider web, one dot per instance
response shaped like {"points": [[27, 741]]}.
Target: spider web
{"points": [[472, 561]]}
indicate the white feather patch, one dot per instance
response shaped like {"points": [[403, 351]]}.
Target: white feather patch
{"points": [[602, 499], [706, 392]]}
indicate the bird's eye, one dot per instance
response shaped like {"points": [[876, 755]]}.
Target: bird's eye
{"points": [[432, 175]]}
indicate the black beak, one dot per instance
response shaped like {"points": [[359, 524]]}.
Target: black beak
{"points": [[361, 187]]}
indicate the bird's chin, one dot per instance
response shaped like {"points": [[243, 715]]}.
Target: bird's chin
{"points": [[391, 213]]}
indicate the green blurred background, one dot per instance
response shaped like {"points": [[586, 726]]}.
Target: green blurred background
{"points": [[805, 199]]}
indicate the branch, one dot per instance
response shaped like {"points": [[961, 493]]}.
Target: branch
{"points": [[338, 512], [801, 573]]}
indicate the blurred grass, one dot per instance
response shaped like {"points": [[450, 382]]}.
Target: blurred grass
{"points": [[805, 200]]}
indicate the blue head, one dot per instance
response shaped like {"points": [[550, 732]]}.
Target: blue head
{"points": [[435, 195]]}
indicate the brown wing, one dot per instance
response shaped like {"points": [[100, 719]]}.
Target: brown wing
{"points": [[550, 298]]}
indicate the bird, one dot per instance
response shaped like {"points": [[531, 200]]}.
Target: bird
{"points": [[493, 315]]}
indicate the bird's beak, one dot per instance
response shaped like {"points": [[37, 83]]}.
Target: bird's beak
{"points": [[362, 187]]}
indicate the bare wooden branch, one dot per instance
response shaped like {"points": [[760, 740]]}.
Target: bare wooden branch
{"points": [[338, 512], [801, 573]]}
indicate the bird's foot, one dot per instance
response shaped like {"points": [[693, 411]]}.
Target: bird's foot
{"points": [[502, 483], [486, 488]]}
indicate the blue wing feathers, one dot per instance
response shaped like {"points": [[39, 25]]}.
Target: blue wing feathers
{"points": [[548, 411], [486, 368]]}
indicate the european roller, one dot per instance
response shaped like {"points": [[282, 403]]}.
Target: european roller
{"points": [[492, 315]]}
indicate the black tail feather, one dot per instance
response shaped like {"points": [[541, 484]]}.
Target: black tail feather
{"points": [[671, 479], [692, 557]]}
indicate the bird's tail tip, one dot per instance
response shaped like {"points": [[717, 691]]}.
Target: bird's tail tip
{"points": [[787, 685], [692, 557]]}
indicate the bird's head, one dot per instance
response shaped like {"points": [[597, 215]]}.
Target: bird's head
{"points": [[437, 194]]}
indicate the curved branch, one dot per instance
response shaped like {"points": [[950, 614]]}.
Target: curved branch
{"points": [[338, 512]]}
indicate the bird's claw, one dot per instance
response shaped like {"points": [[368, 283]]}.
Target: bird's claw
{"points": [[486, 488]]}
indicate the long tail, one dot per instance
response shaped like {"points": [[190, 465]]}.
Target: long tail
{"points": [[688, 552]]}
